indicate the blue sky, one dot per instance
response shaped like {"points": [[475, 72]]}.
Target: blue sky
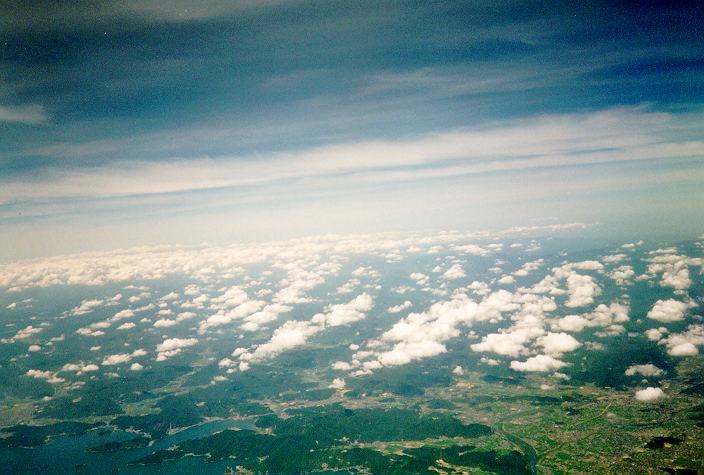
{"points": [[125, 123]]}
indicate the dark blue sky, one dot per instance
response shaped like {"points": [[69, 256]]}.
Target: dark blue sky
{"points": [[291, 95]]}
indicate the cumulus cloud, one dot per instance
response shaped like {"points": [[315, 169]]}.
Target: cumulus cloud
{"points": [[539, 363], [558, 343], [454, 272], [512, 343], [648, 370], [622, 275], [649, 394], [49, 376], [80, 368], [295, 333], [234, 304], [171, 296], [479, 288], [122, 314], [337, 383], [613, 258], [529, 267], [685, 343], [288, 336], [605, 316], [353, 311], [686, 348], [673, 267], [423, 335], [582, 290], [173, 346], [164, 323], [264, 316], [22, 334], [655, 334], [588, 265], [400, 307], [667, 311], [489, 361], [86, 306], [420, 278], [472, 249], [121, 358], [117, 359]]}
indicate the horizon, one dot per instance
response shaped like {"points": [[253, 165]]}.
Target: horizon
{"points": [[161, 123]]}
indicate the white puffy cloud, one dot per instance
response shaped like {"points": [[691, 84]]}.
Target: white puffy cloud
{"points": [[26, 303], [404, 352], [666, 311], [686, 348], [472, 249], [507, 279], [512, 343], [122, 314], [622, 275], [588, 265], [673, 267], [90, 332], [234, 304], [353, 311], [121, 358], [649, 394], [290, 335], [454, 272], [126, 326], [22, 334], [349, 286], [295, 333], [423, 335], [420, 278], [489, 361], [173, 346], [136, 367], [647, 370], [300, 258], [606, 316], [86, 306], [539, 363], [164, 323], [572, 323], [171, 296], [685, 343], [558, 343], [582, 290], [479, 288], [655, 334], [80, 368], [529, 267], [632, 245], [613, 258], [337, 383], [49, 376], [400, 307], [266, 315]]}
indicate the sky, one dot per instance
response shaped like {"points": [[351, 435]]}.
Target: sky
{"points": [[156, 122]]}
